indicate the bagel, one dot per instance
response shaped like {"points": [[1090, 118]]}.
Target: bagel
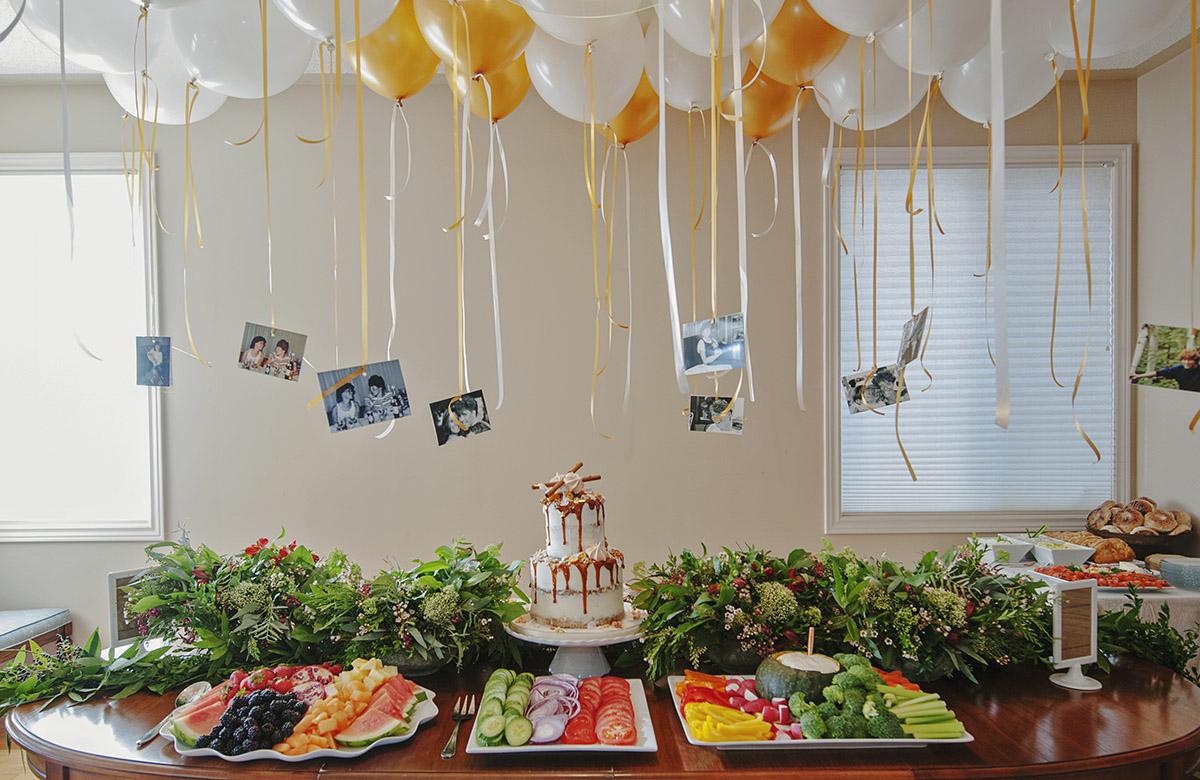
{"points": [[1128, 519], [1161, 521], [1142, 530], [1097, 519], [1142, 504]]}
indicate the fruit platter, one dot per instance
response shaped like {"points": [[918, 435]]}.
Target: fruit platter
{"points": [[521, 713], [1108, 578], [802, 700], [296, 713]]}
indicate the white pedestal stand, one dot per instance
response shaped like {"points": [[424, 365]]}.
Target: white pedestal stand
{"points": [[1075, 679], [579, 651]]}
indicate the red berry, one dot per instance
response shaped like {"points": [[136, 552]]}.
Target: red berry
{"points": [[283, 686], [714, 588]]}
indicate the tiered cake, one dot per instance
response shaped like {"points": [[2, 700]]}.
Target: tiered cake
{"points": [[577, 579]]}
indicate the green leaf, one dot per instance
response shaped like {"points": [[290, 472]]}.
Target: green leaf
{"points": [[147, 603]]}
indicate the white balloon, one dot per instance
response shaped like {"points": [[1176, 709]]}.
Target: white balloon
{"points": [[867, 17], [556, 70], [99, 33], [1121, 25], [222, 46], [688, 23], [689, 79], [960, 30], [579, 21], [884, 86], [317, 19], [169, 79], [1027, 73]]}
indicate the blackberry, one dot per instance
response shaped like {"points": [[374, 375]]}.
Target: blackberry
{"points": [[204, 741], [239, 734], [253, 732], [285, 731], [245, 746], [238, 704], [257, 712], [280, 705]]}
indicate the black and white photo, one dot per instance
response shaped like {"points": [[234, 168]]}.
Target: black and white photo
{"points": [[712, 414], [272, 351], [460, 416], [913, 337], [153, 361], [714, 345], [881, 391], [373, 395]]}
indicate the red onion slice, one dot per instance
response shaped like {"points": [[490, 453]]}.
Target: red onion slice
{"points": [[548, 728]]}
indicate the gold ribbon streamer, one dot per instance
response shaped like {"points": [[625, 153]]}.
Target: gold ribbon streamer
{"points": [[266, 134], [326, 130], [362, 193], [1058, 252], [1192, 253], [931, 219], [191, 207], [987, 265], [590, 183], [459, 213], [697, 214], [899, 442]]}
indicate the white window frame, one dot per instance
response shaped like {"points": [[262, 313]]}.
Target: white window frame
{"points": [[1117, 157], [143, 529]]}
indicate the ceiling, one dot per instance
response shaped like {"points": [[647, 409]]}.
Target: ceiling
{"points": [[23, 57]]}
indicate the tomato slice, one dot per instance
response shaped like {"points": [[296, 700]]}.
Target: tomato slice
{"points": [[616, 732], [581, 730]]}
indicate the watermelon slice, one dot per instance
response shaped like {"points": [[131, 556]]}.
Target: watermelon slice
{"points": [[198, 719], [387, 714]]}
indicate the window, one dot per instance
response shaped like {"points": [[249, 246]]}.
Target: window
{"points": [[80, 458], [971, 474]]}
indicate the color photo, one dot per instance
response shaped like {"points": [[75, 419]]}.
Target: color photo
{"points": [[271, 351], [1167, 357], [154, 361]]}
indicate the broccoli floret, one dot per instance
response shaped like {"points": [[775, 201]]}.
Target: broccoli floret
{"points": [[855, 699], [848, 680], [799, 705], [878, 700], [840, 727], [813, 725], [870, 678], [844, 659], [827, 710], [885, 725], [869, 710], [833, 693], [853, 660]]}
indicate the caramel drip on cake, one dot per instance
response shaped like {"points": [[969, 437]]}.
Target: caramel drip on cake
{"points": [[579, 539], [533, 585], [597, 564], [582, 566], [554, 582]]}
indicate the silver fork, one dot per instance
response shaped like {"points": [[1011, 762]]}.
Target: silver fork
{"points": [[462, 711]]}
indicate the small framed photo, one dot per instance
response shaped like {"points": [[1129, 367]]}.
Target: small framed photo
{"points": [[913, 337], [153, 361], [374, 394], [716, 345], [460, 416], [881, 391], [1167, 357], [272, 351], [121, 625], [711, 414]]}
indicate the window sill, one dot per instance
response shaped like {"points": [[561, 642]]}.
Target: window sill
{"points": [[20, 532], [953, 522]]}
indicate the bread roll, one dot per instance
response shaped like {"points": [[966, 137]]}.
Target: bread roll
{"points": [[1112, 551]]}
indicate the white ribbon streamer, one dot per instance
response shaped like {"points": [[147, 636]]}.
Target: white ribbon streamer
{"points": [[391, 199], [503, 172], [490, 238], [13, 24], [798, 248], [740, 149], [999, 272], [66, 130], [629, 274], [664, 217], [774, 183]]}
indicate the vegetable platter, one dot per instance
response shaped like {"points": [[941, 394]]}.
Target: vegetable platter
{"points": [[561, 713], [826, 704]]}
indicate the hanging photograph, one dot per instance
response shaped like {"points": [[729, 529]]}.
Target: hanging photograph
{"points": [[1166, 356], [272, 351], [375, 395], [460, 416], [881, 391], [715, 345], [913, 337], [709, 414], [154, 361]]}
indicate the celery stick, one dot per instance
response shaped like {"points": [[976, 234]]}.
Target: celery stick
{"points": [[941, 717], [925, 697], [920, 709]]}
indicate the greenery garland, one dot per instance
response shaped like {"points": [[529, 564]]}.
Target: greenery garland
{"points": [[272, 604]]}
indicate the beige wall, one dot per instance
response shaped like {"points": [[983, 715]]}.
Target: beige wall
{"points": [[1166, 467], [243, 456]]}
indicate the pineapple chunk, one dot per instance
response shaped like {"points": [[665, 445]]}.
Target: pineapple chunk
{"points": [[390, 671], [327, 725]]}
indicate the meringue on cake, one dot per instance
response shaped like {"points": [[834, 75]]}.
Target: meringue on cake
{"points": [[577, 578]]}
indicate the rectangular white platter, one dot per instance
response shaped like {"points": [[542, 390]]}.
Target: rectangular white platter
{"points": [[423, 712], [802, 744], [646, 743]]}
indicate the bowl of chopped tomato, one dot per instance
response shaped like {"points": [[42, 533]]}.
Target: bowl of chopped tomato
{"points": [[1105, 577]]}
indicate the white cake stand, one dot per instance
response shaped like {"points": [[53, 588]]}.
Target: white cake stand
{"points": [[579, 651]]}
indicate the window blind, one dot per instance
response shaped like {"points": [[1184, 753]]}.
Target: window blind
{"points": [[963, 461]]}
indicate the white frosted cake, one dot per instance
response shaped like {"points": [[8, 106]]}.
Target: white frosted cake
{"points": [[576, 580]]}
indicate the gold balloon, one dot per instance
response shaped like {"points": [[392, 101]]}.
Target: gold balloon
{"points": [[396, 63], [497, 31], [509, 85], [798, 44], [639, 116], [766, 105]]}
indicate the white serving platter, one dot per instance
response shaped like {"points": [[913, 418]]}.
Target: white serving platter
{"points": [[423, 712], [646, 743], [802, 744]]}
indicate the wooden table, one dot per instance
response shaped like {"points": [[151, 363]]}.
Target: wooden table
{"points": [[1145, 723]]}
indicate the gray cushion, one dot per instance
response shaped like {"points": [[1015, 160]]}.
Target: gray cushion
{"points": [[18, 626]]}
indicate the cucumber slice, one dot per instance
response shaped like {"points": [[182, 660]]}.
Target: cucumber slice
{"points": [[510, 714], [518, 731], [516, 703], [490, 741], [491, 726], [490, 707], [527, 677]]}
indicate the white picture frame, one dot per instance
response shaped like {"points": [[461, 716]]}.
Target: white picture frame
{"points": [[1060, 589], [119, 630]]}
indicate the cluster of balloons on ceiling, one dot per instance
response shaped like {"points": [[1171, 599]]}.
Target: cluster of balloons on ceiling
{"points": [[787, 44]]}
